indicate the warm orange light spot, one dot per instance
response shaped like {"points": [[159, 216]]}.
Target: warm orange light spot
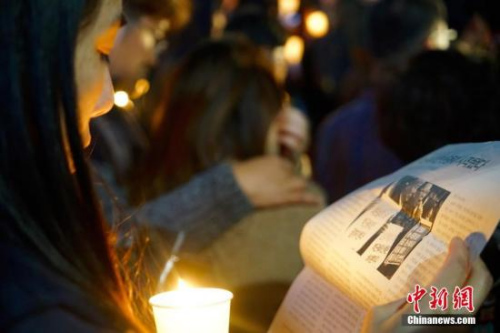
{"points": [[317, 24], [294, 49], [288, 7]]}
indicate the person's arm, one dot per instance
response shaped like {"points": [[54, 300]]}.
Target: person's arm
{"points": [[212, 201], [218, 198], [205, 207]]}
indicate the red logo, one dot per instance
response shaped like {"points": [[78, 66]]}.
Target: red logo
{"points": [[462, 298], [415, 297], [439, 299]]}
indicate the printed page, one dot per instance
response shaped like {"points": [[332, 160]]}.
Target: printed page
{"points": [[313, 305], [375, 244]]}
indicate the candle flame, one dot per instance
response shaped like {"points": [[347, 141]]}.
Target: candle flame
{"points": [[183, 285]]}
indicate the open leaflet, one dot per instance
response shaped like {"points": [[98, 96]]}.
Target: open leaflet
{"points": [[374, 245]]}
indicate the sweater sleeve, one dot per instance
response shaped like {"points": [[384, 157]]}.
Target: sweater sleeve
{"points": [[204, 208]]}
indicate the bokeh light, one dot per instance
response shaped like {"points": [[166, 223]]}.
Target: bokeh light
{"points": [[317, 24], [288, 7], [441, 37], [121, 99], [219, 22], [141, 87], [294, 49]]}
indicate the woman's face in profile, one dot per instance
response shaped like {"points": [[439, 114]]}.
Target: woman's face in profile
{"points": [[93, 81]]}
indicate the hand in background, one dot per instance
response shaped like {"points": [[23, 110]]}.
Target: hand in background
{"points": [[270, 181], [456, 271], [293, 130]]}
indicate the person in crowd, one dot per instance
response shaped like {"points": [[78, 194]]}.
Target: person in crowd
{"points": [[258, 21], [222, 194], [349, 152], [335, 68], [442, 98], [204, 122], [212, 201], [61, 272], [219, 105], [142, 38], [119, 136]]}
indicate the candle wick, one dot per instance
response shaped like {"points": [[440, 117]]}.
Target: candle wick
{"points": [[172, 259]]}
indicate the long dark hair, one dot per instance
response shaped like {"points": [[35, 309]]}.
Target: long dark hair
{"points": [[46, 207], [218, 105]]}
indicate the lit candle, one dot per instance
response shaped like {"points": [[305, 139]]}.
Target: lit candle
{"points": [[192, 310]]}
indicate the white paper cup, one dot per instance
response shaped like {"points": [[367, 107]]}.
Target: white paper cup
{"points": [[192, 310]]}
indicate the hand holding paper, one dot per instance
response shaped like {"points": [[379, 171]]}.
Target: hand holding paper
{"points": [[457, 270]]}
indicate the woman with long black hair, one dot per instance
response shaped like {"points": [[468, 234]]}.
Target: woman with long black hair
{"points": [[58, 270]]}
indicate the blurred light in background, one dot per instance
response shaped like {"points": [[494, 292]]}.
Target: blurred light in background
{"points": [[163, 27], [141, 87], [305, 166], [441, 37], [280, 64], [294, 49], [288, 7], [121, 99], [317, 24], [229, 5], [452, 34], [148, 39], [219, 21]]}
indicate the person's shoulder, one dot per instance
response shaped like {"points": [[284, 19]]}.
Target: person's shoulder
{"points": [[35, 298], [358, 110]]}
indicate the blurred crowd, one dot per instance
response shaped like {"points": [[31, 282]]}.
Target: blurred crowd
{"points": [[236, 121]]}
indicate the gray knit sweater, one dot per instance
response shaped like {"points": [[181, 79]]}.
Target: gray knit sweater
{"points": [[203, 208]]}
